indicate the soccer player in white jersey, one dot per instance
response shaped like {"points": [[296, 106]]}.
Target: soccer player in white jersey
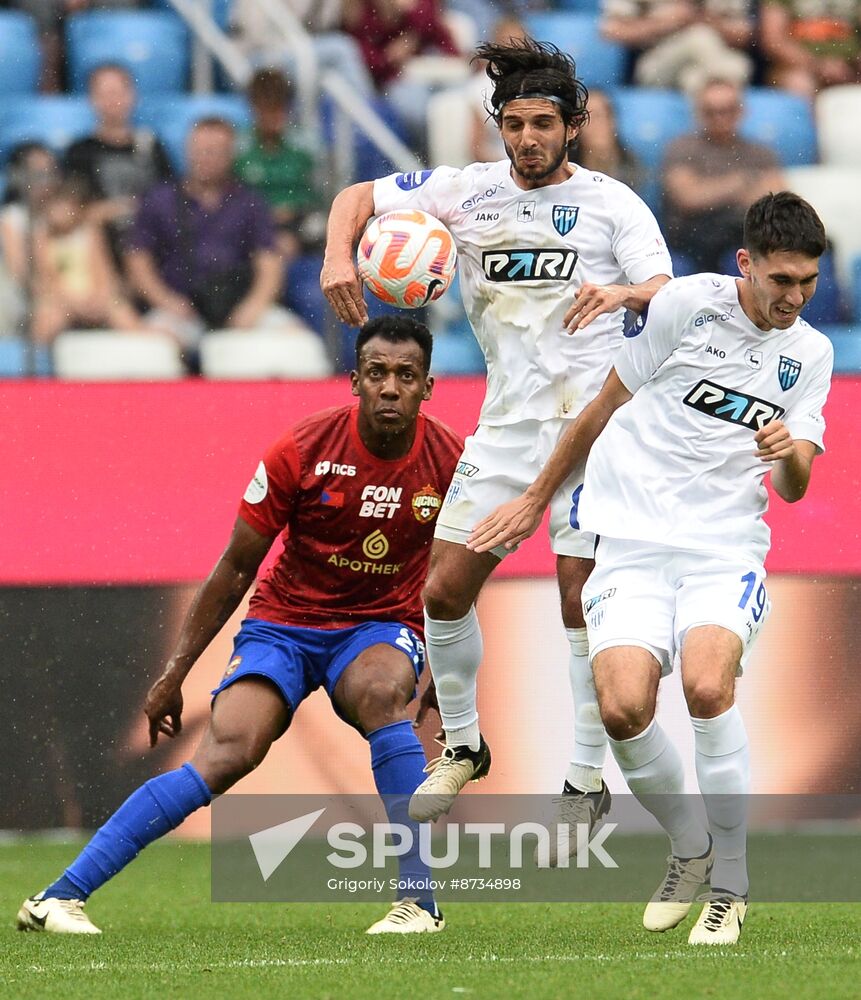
{"points": [[551, 255], [720, 382]]}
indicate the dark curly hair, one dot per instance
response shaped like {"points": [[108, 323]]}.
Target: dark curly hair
{"points": [[525, 67], [783, 222]]}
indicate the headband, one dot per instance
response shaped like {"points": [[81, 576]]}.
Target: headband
{"points": [[539, 96]]}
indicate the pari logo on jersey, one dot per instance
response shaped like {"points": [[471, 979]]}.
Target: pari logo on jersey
{"points": [[375, 547], [733, 406], [529, 264], [426, 503], [565, 218], [788, 370]]}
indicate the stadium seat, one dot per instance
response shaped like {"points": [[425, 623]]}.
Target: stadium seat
{"points": [[599, 63], [108, 355], [579, 6], [370, 163], [171, 116], [856, 288], [838, 112], [264, 354], [20, 55], [833, 192], [153, 45], [56, 121], [828, 304], [846, 341], [648, 119], [15, 361], [782, 121], [449, 128]]}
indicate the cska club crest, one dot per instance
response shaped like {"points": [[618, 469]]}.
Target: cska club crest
{"points": [[565, 218], [425, 504], [787, 372]]}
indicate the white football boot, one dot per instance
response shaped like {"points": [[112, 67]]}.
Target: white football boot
{"points": [[446, 776], [407, 917], [57, 916], [721, 920], [675, 896], [575, 810]]}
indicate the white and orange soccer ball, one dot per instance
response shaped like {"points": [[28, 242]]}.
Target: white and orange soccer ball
{"points": [[407, 258]]}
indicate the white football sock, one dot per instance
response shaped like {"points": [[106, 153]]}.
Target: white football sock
{"points": [[454, 653], [653, 770], [590, 740], [723, 772]]}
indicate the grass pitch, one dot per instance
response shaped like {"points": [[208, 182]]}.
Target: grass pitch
{"points": [[164, 938]]}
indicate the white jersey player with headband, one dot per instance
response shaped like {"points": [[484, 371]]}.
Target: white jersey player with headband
{"points": [[551, 257]]}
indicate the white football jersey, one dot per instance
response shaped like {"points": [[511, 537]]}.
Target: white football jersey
{"points": [[522, 256], [677, 465]]}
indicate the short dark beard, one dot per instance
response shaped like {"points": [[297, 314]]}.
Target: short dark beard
{"points": [[554, 166]]}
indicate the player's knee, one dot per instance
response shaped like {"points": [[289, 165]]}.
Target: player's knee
{"points": [[223, 762], [624, 720], [442, 600], [381, 702], [708, 697]]}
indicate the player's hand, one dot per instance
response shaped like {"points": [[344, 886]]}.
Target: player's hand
{"points": [[774, 442], [592, 301], [163, 708], [508, 525], [427, 703], [343, 289]]}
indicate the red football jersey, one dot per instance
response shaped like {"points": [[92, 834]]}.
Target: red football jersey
{"points": [[357, 529]]}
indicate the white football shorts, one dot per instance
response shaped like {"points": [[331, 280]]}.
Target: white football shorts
{"points": [[497, 465], [649, 595]]}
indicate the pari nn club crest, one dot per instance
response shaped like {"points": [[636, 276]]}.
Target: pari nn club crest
{"points": [[565, 218]]}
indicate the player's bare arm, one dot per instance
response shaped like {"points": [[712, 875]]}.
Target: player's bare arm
{"points": [[339, 281], [793, 460], [595, 300], [214, 603], [513, 522]]}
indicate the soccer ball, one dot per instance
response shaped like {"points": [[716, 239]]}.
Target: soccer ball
{"points": [[407, 258]]}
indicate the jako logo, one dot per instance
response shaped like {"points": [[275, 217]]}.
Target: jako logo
{"points": [[529, 265], [734, 407], [486, 216], [325, 467], [515, 847], [718, 353]]}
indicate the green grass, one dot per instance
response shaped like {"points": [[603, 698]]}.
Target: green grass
{"points": [[164, 938]]}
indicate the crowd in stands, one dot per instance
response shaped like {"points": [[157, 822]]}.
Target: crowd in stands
{"points": [[222, 229]]}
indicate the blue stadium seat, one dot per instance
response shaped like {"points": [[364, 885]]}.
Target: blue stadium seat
{"points": [[856, 288], [846, 341], [827, 305], [782, 121], [579, 6], [369, 161], [220, 10], [56, 121], [153, 45], [14, 361], [648, 119], [599, 63], [20, 55], [171, 116]]}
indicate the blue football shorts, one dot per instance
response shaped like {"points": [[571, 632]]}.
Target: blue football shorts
{"points": [[300, 660]]}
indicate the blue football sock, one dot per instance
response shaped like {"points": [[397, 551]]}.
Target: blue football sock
{"points": [[398, 762], [153, 810]]}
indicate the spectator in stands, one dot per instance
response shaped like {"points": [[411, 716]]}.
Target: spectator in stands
{"points": [[334, 49], [811, 44], [599, 147], [683, 43], [710, 179], [32, 178], [203, 252], [390, 34], [485, 141], [74, 281], [118, 163], [279, 161]]}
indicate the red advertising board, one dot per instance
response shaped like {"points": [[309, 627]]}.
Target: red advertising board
{"points": [[129, 483]]}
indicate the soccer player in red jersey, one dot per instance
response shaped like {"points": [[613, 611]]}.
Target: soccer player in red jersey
{"points": [[354, 491]]}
